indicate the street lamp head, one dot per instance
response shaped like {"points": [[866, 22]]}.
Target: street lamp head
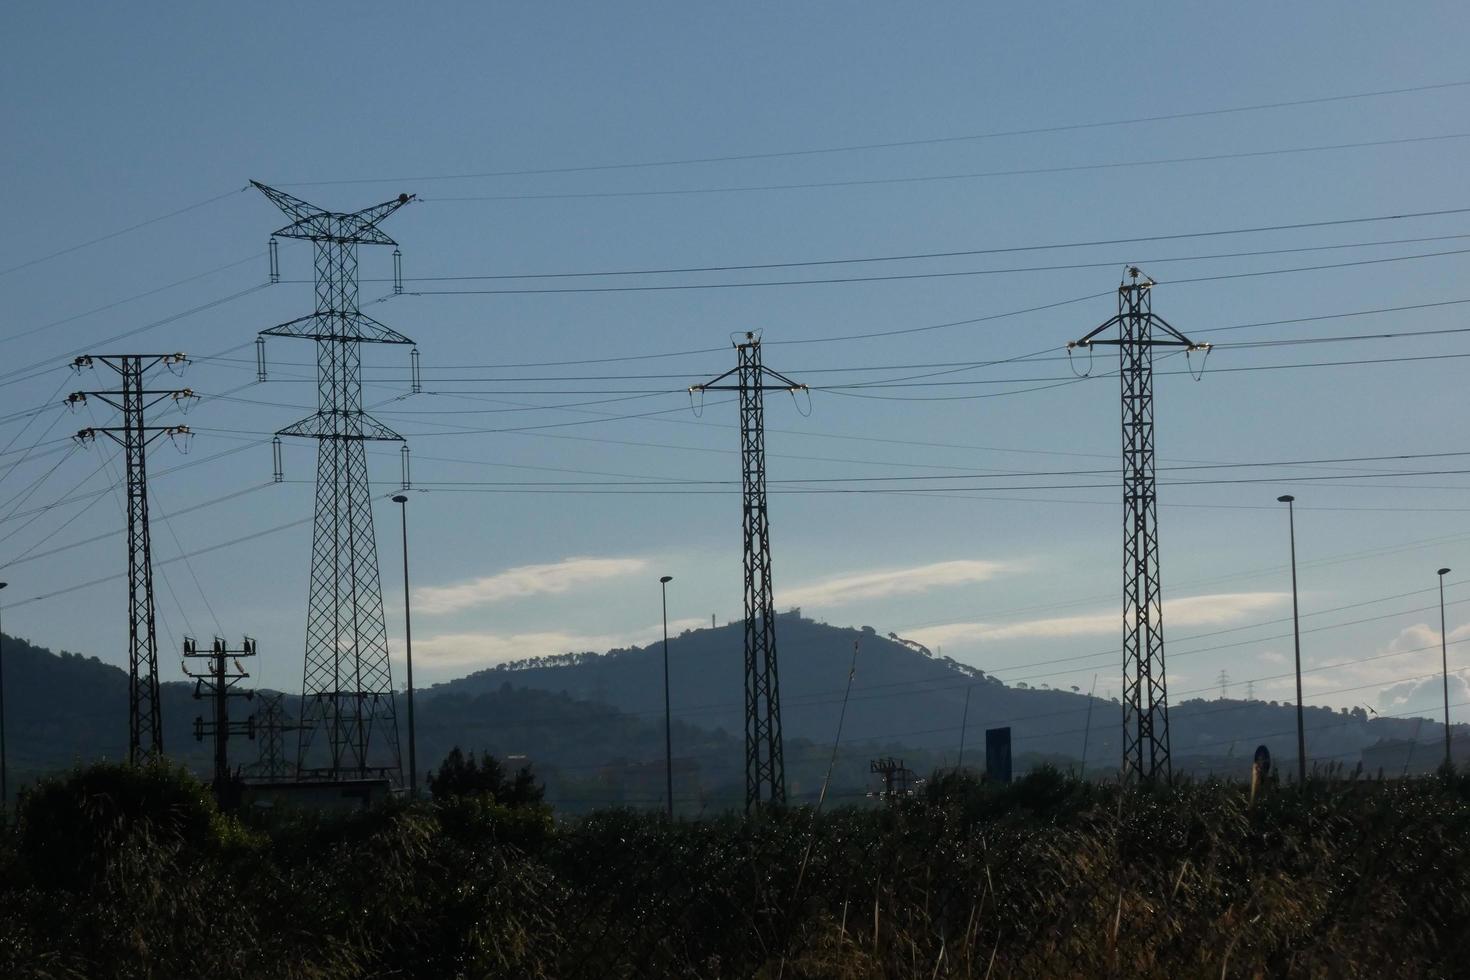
{"points": [[666, 580], [1442, 571], [1285, 498], [399, 498]]}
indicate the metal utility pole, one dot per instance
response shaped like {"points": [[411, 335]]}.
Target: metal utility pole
{"points": [[4, 776], [959, 761], [1296, 635], [1087, 729], [668, 712], [1444, 653], [347, 689], [216, 682], [765, 770], [413, 753], [145, 720], [1145, 689]]}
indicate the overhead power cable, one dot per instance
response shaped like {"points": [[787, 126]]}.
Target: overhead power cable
{"points": [[959, 253], [121, 231], [938, 178], [892, 144], [903, 277], [134, 331], [136, 296]]}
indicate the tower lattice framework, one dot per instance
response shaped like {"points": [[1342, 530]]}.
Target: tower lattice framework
{"points": [[349, 720], [765, 769], [145, 716], [1145, 687]]}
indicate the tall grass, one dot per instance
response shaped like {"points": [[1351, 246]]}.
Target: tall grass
{"points": [[1049, 877]]}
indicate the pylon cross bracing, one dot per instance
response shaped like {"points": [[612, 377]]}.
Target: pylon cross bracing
{"points": [[1145, 686], [145, 718], [765, 770], [347, 690]]}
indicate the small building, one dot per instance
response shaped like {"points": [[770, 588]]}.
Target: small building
{"points": [[316, 794]]}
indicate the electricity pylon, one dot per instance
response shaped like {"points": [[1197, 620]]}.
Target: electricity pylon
{"points": [[145, 718], [1145, 690], [765, 769], [272, 724], [347, 687], [217, 682]]}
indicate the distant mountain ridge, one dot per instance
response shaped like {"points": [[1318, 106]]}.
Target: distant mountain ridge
{"points": [[592, 723], [903, 694]]}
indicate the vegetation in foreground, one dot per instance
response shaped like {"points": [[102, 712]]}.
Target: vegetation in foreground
{"points": [[112, 872]]}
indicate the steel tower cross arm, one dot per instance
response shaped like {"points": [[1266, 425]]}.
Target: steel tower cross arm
{"points": [[1174, 339], [318, 224]]}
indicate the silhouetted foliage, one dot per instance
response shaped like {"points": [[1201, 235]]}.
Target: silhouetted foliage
{"points": [[462, 774], [1047, 877]]}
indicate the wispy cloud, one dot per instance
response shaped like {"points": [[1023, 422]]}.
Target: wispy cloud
{"points": [[523, 581], [1201, 610], [476, 650], [845, 589]]}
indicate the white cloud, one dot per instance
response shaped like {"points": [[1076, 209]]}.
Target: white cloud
{"points": [[1271, 657], [846, 589], [477, 650], [1202, 610], [522, 581]]}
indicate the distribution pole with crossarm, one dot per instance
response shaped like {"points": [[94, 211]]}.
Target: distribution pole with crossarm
{"points": [[347, 691], [1145, 689], [765, 772], [145, 718]]}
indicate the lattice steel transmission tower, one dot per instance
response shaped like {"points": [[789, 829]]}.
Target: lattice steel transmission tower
{"points": [[1145, 690], [145, 719], [347, 689], [765, 769]]}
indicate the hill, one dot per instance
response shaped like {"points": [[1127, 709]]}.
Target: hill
{"points": [[592, 723], [903, 694]]}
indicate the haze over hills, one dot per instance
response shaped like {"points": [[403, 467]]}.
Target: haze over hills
{"points": [[592, 723], [902, 693]]}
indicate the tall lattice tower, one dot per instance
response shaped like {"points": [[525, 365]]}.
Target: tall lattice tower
{"points": [[1145, 691], [145, 713], [765, 768], [346, 687]]}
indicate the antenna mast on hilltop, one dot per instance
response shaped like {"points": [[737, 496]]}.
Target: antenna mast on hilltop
{"points": [[765, 768], [145, 716], [347, 689], [1145, 690]]}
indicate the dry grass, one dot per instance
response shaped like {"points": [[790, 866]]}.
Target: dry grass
{"points": [[123, 874]]}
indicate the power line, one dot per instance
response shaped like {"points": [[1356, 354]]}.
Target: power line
{"points": [[957, 253], [972, 272], [995, 134], [137, 296], [122, 231], [134, 331], [976, 175]]}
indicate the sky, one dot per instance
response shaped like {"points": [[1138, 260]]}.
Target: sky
{"points": [[549, 142]]}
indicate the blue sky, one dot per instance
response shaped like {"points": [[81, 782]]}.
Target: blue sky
{"points": [[119, 116]]}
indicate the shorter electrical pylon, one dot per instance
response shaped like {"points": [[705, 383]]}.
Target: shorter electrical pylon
{"points": [[895, 775], [145, 719], [217, 682], [272, 724]]}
